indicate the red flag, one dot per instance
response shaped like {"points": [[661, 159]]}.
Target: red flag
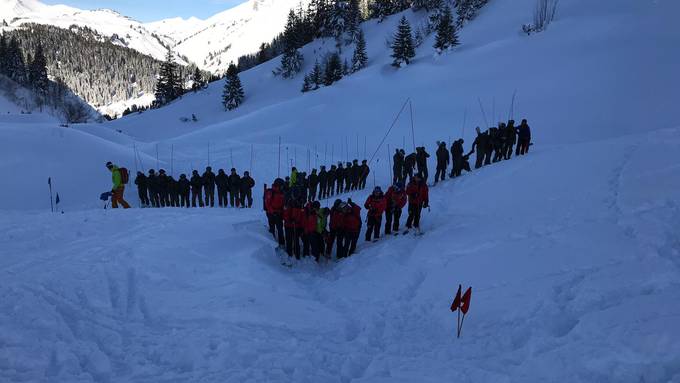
{"points": [[456, 300], [465, 306]]}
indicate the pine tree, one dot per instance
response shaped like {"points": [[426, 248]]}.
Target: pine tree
{"points": [[360, 59], [37, 73], [380, 9], [307, 84], [317, 75], [168, 85], [333, 70], [197, 79], [447, 36], [3, 54], [16, 67], [233, 94], [402, 47], [291, 61], [353, 21]]}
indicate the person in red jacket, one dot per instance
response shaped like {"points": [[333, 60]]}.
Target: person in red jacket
{"points": [[273, 204], [396, 200], [376, 205], [351, 226], [293, 218], [337, 231], [418, 198]]}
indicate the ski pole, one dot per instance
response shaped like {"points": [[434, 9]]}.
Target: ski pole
{"points": [[49, 182]]}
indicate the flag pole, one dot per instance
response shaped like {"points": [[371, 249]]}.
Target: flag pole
{"points": [[49, 182]]}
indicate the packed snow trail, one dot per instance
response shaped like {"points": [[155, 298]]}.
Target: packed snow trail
{"points": [[199, 295]]}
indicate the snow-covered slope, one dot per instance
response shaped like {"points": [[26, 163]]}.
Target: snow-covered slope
{"points": [[571, 251], [120, 29], [212, 44]]}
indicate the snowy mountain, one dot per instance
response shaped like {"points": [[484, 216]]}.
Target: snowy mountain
{"points": [[213, 43], [572, 250], [121, 30]]}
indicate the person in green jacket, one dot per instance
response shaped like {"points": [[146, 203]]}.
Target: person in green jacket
{"points": [[118, 189], [293, 177]]}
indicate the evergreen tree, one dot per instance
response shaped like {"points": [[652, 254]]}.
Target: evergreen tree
{"points": [[338, 20], [353, 21], [307, 83], [3, 54], [233, 94], [402, 47], [16, 68], [333, 71], [168, 85], [197, 79], [447, 36], [317, 75], [37, 73], [380, 9], [360, 59], [291, 62]]}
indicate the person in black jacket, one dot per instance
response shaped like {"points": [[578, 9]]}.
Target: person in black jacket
{"points": [[332, 176], [480, 144], [152, 182], [442, 162], [457, 154], [222, 182], [142, 189], [163, 192], [173, 192], [398, 166], [523, 138], [364, 172], [196, 189], [510, 139], [209, 187], [184, 187], [234, 188], [340, 178], [313, 183], [246, 190], [323, 183], [409, 165], [421, 162], [355, 175]]}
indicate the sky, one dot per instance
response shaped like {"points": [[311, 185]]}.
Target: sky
{"points": [[152, 10]]}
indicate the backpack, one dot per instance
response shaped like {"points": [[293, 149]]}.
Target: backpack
{"points": [[124, 176]]}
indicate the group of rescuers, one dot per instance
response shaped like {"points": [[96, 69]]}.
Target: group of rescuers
{"points": [[294, 214]]}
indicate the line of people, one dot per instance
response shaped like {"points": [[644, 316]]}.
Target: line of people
{"points": [[158, 189]]}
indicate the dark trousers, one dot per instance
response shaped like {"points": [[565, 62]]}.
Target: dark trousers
{"points": [[276, 227], [293, 242], [392, 220], [196, 195], [246, 198], [222, 197], [479, 160], [339, 184], [312, 193], [174, 199], [143, 196], [413, 219], [408, 173], [373, 227], [155, 200], [349, 243], [487, 156], [362, 183], [210, 196], [508, 150], [312, 243], [336, 235], [422, 172], [397, 175], [234, 198], [523, 147], [441, 172], [184, 200]]}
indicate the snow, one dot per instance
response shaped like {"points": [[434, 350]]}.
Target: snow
{"points": [[571, 251]]}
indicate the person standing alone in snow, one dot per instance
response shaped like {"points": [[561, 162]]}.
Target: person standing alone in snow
{"points": [[118, 189]]}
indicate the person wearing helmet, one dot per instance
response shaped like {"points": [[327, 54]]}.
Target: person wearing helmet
{"points": [[336, 232], [209, 187], [421, 162], [396, 200], [246, 190], [352, 227], [376, 204], [273, 204], [184, 190], [457, 153], [442, 162], [152, 181], [293, 218], [196, 188], [524, 138], [480, 145], [234, 188], [398, 166], [222, 183], [118, 189], [365, 171], [142, 189]]}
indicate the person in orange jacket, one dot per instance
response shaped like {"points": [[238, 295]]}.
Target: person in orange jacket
{"points": [[396, 200], [273, 205], [351, 227], [418, 198], [293, 218], [376, 205], [337, 232]]}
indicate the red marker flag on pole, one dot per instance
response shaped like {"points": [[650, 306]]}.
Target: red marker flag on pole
{"points": [[456, 301], [465, 305]]}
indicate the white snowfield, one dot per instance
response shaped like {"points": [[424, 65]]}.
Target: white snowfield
{"points": [[572, 251]]}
